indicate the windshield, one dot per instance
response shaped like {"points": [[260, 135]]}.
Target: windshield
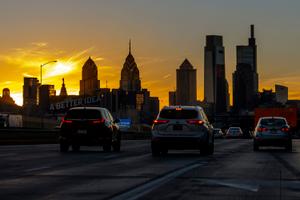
{"points": [[273, 122], [178, 114], [83, 114]]}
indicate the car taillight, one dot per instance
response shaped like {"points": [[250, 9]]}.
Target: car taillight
{"points": [[261, 129], [285, 129], [160, 121], [66, 121], [98, 121], [198, 122]]}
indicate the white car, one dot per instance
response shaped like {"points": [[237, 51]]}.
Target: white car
{"points": [[182, 127], [234, 132]]}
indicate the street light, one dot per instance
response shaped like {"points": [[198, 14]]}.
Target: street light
{"points": [[41, 70]]}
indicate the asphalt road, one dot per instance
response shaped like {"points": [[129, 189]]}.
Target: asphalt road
{"points": [[233, 172]]}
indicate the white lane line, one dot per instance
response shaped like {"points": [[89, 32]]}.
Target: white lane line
{"points": [[232, 184], [37, 169], [144, 189]]}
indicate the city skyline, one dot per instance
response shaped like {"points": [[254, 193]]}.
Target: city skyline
{"points": [[95, 34]]}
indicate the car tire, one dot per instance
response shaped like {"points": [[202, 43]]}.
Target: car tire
{"points": [[106, 147], [255, 147], [204, 149], [155, 150], [116, 146], [289, 146], [64, 146], [75, 147]]}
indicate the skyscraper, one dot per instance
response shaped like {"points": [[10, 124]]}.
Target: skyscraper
{"points": [[30, 92], [215, 83], [89, 84], [130, 75], [282, 93], [186, 84], [245, 78]]}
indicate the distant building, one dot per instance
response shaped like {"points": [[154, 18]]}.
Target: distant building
{"points": [[130, 75], [30, 92], [63, 90], [6, 98], [45, 92], [245, 78], [89, 83], [172, 98], [215, 83], [281, 93], [186, 84]]}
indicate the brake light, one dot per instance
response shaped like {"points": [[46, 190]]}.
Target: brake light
{"points": [[64, 121], [98, 121], [285, 129], [197, 122], [160, 121], [262, 129]]}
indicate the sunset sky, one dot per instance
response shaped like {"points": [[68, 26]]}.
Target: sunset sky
{"points": [[163, 33]]}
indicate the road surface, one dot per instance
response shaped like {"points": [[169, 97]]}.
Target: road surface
{"points": [[233, 172]]}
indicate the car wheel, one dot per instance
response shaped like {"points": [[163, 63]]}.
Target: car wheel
{"points": [[289, 146], [75, 147], [155, 150], [107, 147], [116, 146], [255, 147], [64, 146], [164, 151], [204, 149]]}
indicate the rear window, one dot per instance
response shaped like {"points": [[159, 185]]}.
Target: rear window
{"points": [[273, 122], [83, 114], [178, 114]]}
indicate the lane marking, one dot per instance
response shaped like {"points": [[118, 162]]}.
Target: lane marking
{"points": [[37, 169], [232, 184], [144, 189]]}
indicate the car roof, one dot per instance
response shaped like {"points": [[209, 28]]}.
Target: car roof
{"points": [[183, 107], [88, 108], [272, 118]]}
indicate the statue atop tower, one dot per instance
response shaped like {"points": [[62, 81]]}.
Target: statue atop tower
{"points": [[63, 90]]}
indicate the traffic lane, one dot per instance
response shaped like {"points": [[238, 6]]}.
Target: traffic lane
{"points": [[98, 179], [17, 160], [271, 173]]}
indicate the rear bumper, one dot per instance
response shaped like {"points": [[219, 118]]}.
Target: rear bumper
{"points": [[178, 142], [272, 142], [91, 137]]}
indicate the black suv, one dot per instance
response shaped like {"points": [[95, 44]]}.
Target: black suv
{"points": [[89, 126]]}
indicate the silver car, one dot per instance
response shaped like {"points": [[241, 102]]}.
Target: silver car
{"points": [[182, 127], [272, 131]]}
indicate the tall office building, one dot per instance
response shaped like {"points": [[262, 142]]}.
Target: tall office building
{"points": [[215, 83], [89, 84], [130, 75], [30, 92], [281, 93], [245, 78], [172, 98], [186, 84], [45, 92]]}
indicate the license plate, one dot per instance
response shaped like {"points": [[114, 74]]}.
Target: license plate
{"points": [[82, 131], [177, 127]]}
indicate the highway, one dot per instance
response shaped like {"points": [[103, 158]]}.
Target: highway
{"points": [[233, 172]]}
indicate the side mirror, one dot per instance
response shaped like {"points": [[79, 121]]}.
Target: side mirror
{"points": [[116, 121]]}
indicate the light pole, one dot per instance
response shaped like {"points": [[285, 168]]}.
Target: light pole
{"points": [[41, 70], [41, 78]]}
